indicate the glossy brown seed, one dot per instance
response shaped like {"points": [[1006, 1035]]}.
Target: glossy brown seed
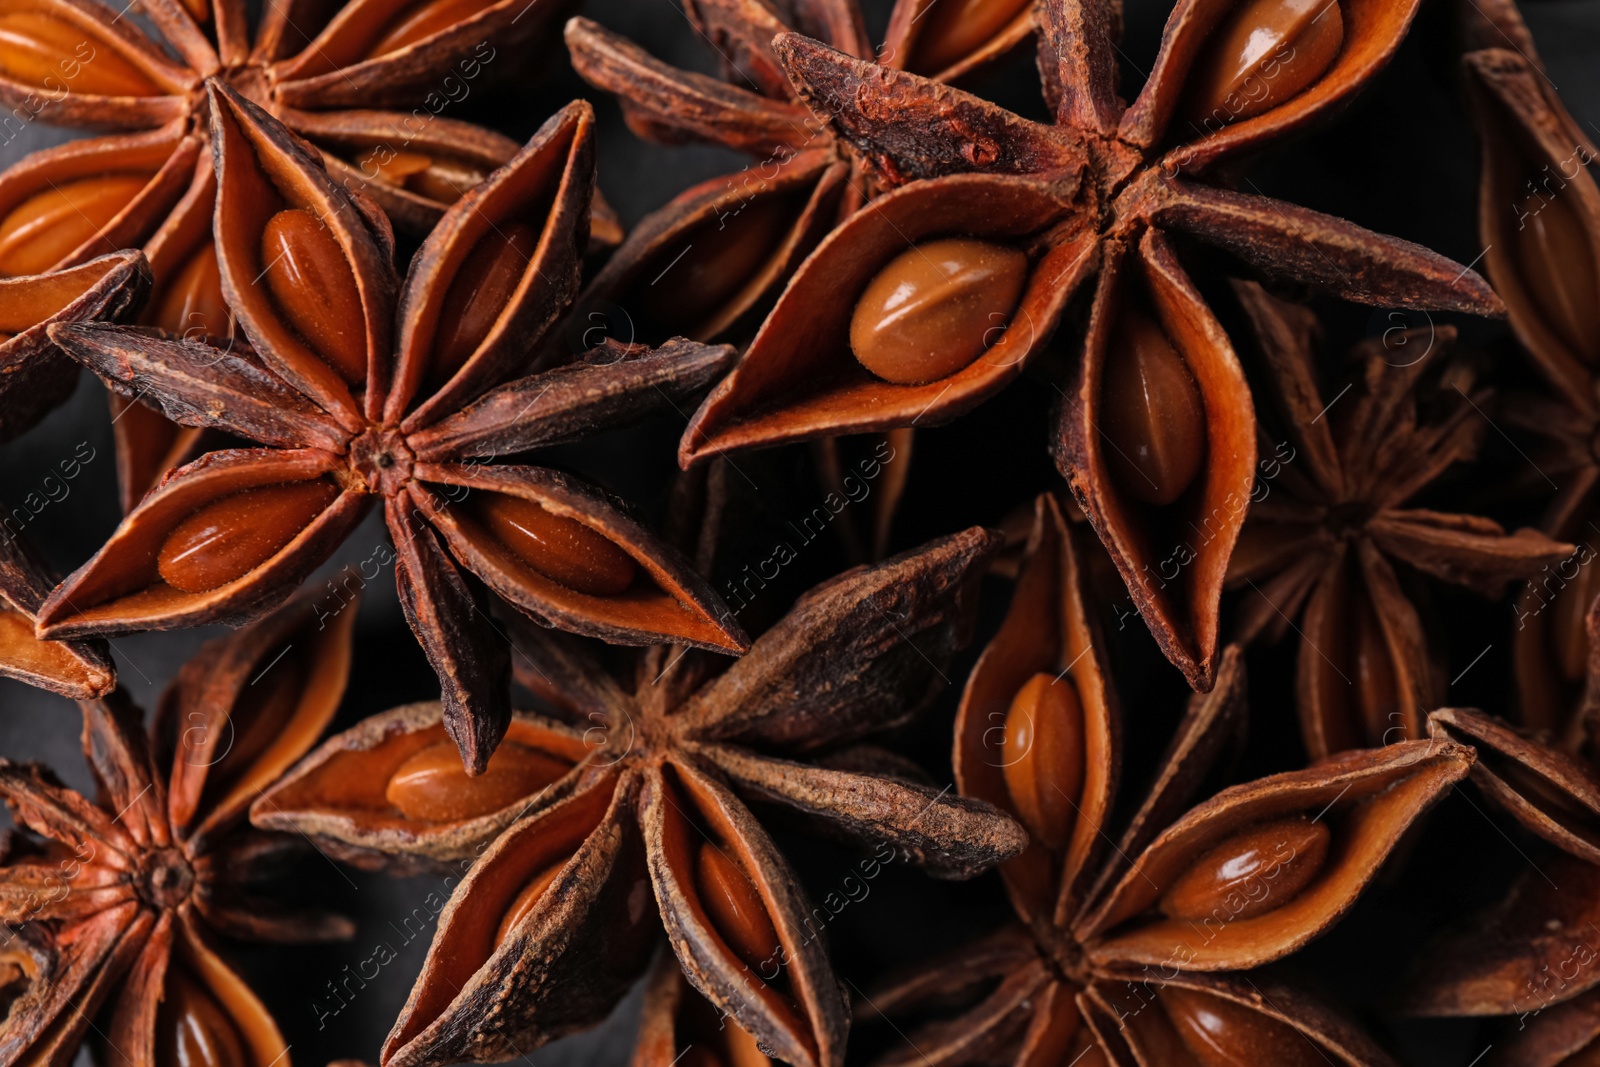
{"points": [[1264, 53], [1152, 415], [480, 292], [936, 307], [714, 261], [1220, 1033], [41, 230], [424, 20], [1257, 870], [563, 550], [229, 538], [1556, 261], [51, 53], [433, 786], [438, 179], [735, 908], [526, 899], [1372, 672], [955, 29], [1569, 632], [259, 717], [313, 285], [192, 1030], [192, 303], [1043, 757]]}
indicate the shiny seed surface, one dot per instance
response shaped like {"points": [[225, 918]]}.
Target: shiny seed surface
{"points": [[1152, 415], [1264, 53], [41, 230], [526, 899], [954, 29], [192, 1030], [424, 20], [229, 538], [433, 786], [1221, 1033], [1257, 870], [1557, 265], [480, 292], [192, 303], [715, 261], [1043, 757], [735, 907], [935, 308], [315, 288], [561, 549], [37, 49]]}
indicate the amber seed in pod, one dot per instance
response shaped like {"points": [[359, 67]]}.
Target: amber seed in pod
{"points": [[526, 899], [1254, 871], [433, 786], [192, 303], [479, 293], [718, 258], [313, 285], [1264, 53], [1221, 1033], [955, 29], [192, 1029], [734, 907], [42, 229], [32, 47], [1556, 261], [1043, 757], [936, 307], [228, 538], [563, 550], [1151, 413]]}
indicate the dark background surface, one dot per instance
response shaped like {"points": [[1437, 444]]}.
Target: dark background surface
{"points": [[1402, 161]]}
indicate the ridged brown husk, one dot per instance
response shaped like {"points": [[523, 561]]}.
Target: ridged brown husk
{"points": [[1098, 202], [1091, 964], [678, 1024], [419, 446], [679, 753], [1535, 157], [314, 71], [1534, 954], [1330, 539], [118, 901], [81, 670], [35, 378]]}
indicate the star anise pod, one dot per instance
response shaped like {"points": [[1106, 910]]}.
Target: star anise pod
{"points": [[112, 918], [1330, 532], [679, 1028], [81, 670], [360, 392], [151, 185], [1539, 220], [657, 784], [1146, 953], [1007, 219]]}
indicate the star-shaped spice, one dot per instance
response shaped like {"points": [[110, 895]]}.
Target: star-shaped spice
{"points": [[653, 786], [112, 917], [361, 395], [704, 263], [936, 295], [1330, 534], [1142, 948]]}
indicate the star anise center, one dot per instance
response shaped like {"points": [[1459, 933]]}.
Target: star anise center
{"points": [[1063, 955], [381, 459], [1346, 520], [164, 878]]}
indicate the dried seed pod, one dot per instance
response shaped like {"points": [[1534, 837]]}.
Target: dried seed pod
{"points": [[679, 1026], [1282, 856], [1153, 416], [383, 795], [1264, 53], [1369, 797], [1043, 754], [339, 409], [162, 862]]}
